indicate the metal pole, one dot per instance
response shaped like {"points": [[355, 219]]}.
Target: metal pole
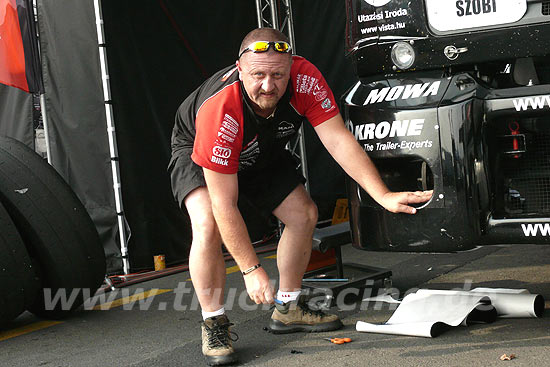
{"points": [[274, 15], [43, 111], [259, 9], [290, 24], [301, 134], [122, 224], [45, 123]]}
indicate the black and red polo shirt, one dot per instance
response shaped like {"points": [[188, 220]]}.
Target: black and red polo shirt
{"points": [[218, 122]]}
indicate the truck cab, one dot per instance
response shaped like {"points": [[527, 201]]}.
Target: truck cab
{"points": [[452, 96]]}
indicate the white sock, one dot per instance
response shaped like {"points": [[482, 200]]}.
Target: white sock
{"points": [[287, 296], [207, 314]]}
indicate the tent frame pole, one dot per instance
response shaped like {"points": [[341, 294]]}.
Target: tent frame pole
{"points": [[46, 127], [268, 16], [43, 111], [123, 228]]}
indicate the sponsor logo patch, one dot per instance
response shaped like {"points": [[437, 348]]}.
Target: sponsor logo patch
{"points": [[386, 129], [305, 83], [225, 137], [221, 152], [285, 128], [229, 129], [221, 162], [408, 91], [230, 123], [227, 132], [320, 93], [326, 104], [382, 130]]}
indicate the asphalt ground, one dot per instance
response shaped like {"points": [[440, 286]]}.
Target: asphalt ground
{"points": [[157, 323]]}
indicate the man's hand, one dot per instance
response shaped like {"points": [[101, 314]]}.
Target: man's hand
{"points": [[397, 202], [259, 287]]}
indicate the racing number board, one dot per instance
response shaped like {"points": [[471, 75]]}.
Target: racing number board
{"points": [[452, 15]]}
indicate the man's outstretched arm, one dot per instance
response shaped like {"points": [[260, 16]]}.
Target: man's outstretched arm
{"points": [[343, 147], [224, 192]]}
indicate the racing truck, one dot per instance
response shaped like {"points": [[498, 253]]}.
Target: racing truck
{"points": [[452, 96]]}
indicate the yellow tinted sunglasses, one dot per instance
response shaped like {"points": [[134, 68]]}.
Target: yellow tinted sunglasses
{"points": [[263, 46]]}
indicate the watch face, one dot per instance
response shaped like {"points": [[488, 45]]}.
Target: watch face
{"points": [[377, 2]]}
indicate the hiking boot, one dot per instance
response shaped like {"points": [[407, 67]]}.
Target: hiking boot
{"points": [[216, 341], [296, 316]]}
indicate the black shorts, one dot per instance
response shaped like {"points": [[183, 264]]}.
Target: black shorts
{"points": [[262, 189]]}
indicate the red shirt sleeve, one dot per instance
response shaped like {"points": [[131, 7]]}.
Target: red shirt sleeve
{"points": [[311, 95], [218, 141]]}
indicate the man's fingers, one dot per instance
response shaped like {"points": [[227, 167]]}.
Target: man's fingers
{"points": [[414, 199], [419, 196], [269, 296], [405, 209], [260, 297]]}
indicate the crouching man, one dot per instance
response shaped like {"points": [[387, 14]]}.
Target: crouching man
{"points": [[229, 141]]}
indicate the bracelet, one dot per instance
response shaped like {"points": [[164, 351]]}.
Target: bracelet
{"points": [[251, 269]]}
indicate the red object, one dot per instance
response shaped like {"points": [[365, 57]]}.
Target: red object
{"points": [[19, 56], [12, 54], [338, 340], [514, 130], [320, 260]]}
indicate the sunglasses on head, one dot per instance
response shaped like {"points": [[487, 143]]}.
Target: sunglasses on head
{"points": [[263, 46]]}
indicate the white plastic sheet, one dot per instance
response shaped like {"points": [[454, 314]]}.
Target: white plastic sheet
{"points": [[429, 312]]}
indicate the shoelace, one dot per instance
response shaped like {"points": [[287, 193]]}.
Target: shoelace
{"points": [[305, 309], [218, 335]]}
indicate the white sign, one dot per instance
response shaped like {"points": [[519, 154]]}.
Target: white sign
{"points": [[530, 229], [536, 103], [452, 15], [377, 2]]}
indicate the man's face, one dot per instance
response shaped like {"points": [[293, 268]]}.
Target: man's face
{"points": [[265, 78]]}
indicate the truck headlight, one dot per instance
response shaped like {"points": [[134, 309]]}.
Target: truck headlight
{"points": [[402, 55]]}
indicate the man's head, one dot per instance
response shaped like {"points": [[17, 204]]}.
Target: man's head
{"points": [[264, 74]]}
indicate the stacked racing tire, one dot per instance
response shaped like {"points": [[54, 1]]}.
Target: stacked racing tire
{"points": [[58, 242]]}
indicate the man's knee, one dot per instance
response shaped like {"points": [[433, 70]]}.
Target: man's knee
{"points": [[203, 224], [205, 230], [312, 214], [307, 216]]}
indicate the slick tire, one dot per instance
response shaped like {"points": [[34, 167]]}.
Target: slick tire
{"points": [[55, 227], [18, 282]]}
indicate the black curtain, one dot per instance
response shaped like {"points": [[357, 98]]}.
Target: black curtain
{"points": [[76, 113], [319, 28], [158, 52], [16, 115]]}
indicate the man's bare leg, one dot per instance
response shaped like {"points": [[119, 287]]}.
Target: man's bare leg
{"points": [[207, 269], [206, 263], [299, 214]]}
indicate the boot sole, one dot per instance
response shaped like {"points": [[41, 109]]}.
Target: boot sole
{"points": [[277, 327], [221, 360]]}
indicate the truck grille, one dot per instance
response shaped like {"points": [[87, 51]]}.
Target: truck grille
{"points": [[527, 184], [546, 8]]}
